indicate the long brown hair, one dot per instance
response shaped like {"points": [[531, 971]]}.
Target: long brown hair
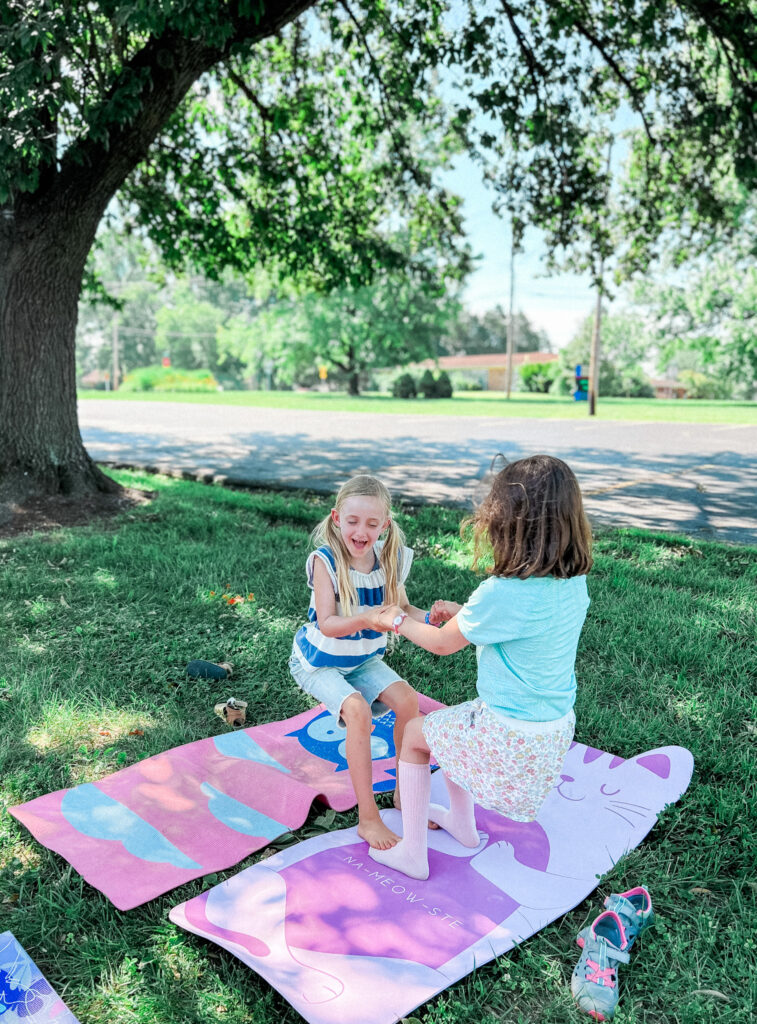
{"points": [[533, 521], [327, 532]]}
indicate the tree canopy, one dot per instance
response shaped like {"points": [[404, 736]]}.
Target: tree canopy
{"points": [[480, 333], [626, 344], [705, 315], [249, 131]]}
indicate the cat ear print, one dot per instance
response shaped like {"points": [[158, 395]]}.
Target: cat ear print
{"points": [[668, 763], [658, 764]]}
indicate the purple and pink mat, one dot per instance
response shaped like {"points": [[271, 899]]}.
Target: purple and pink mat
{"points": [[344, 939], [340, 937], [25, 994]]}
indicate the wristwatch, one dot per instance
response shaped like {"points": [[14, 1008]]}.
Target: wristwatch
{"points": [[397, 622]]}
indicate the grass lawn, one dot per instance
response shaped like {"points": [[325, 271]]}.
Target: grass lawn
{"points": [[99, 622], [464, 403]]}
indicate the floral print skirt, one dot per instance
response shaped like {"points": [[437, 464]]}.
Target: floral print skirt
{"points": [[508, 765]]}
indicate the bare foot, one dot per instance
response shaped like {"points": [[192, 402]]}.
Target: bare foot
{"points": [[377, 834], [431, 824]]}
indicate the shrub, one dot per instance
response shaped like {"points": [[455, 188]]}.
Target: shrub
{"points": [[537, 377], [699, 385], [168, 378], [634, 384], [443, 385], [466, 382], [404, 386], [427, 385]]}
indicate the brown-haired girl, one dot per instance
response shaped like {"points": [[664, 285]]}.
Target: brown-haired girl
{"points": [[505, 749], [337, 656]]}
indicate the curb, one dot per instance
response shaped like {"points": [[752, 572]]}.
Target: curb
{"points": [[212, 479]]}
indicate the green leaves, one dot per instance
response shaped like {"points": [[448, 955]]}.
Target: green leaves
{"points": [[307, 150], [307, 156], [561, 79], [704, 316]]}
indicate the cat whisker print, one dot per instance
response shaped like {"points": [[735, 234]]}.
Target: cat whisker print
{"points": [[639, 809], [629, 820]]}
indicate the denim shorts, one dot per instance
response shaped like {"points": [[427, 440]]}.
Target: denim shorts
{"points": [[331, 686]]}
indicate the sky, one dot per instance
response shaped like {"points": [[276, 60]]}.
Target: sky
{"points": [[556, 304]]}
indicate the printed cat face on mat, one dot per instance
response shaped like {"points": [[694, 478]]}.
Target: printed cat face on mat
{"points": [[325, 738], [609, 800]]}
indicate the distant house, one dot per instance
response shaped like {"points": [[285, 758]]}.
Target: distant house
{"points": [[490, 369], [98, 379], [668, 388]]}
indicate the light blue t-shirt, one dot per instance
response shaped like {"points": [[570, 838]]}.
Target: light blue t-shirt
{"points": [[526, 634]]}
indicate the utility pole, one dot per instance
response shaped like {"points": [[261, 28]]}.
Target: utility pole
{"points": [[510, 318], [116, 369], [597, 331], [595, 340]]}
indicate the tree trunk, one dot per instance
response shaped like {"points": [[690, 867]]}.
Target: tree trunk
{"points": [[42, 258], [45, 237], [353, 370]]}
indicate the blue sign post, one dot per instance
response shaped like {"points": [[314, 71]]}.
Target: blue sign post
{"points": [[581, 393]]}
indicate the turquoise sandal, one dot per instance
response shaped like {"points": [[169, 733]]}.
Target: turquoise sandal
{"points": [[595, 979]]}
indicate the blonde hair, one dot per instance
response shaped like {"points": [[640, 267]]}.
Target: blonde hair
{"points": [[327, 532], [533, 521]]}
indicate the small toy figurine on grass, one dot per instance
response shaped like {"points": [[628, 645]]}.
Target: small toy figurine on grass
{"points": [[209, 670]]}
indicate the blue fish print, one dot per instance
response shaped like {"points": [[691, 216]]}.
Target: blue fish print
{"points": [[87, 809], [239, 816], [243, 746]]}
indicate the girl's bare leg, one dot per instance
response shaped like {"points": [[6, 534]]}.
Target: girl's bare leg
{"points": [[357, 717], [414, 746]]}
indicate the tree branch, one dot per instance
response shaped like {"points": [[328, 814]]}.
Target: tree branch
{"points": [[96, 168], [612, 63], [412, 170], [525, 48], [244, 88]]}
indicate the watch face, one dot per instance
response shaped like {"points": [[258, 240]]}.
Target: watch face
{"points": [[399, 620]]}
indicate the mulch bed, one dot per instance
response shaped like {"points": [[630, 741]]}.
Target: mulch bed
{"points": [[49, 513]]}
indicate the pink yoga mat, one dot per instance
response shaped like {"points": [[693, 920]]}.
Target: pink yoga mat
{"points": [[204, 806], [347, 941]]}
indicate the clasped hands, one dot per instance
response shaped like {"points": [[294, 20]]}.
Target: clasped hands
{"points": [[441, 611]]}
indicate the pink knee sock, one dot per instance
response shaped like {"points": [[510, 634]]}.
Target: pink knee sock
{"points": [[410, 855], [460, 819]]}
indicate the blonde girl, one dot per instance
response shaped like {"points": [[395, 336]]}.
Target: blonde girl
{"points": [[337, 655], [505, 749]]}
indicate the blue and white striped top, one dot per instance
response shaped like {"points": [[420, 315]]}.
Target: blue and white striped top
{"points": [[315, 650]]}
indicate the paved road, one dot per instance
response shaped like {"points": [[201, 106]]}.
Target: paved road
{"points": [[695, 479]]}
